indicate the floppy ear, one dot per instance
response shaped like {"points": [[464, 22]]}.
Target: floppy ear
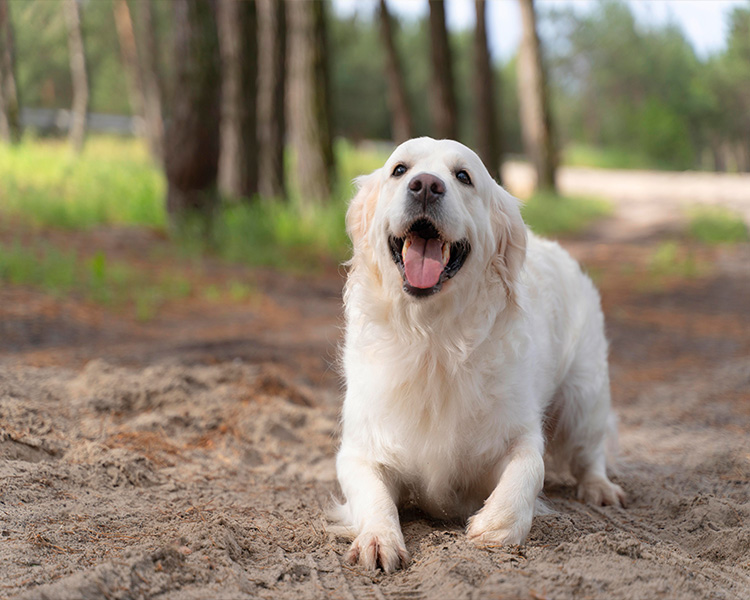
{"points": [[362, 207], [510, 232]]}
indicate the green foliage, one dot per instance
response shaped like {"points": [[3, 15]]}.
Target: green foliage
{"points": [[42, 64], [43, 68], [633, 89], [115, 284], [112, 183], [716, 225], [626, 87], [548, 214]]}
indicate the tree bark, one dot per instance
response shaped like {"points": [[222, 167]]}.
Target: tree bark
{"points": [[77, 133], [536, 120], [271, 97], [129, 57], [443, 105], [487, 130], [402, 124], [10, 112], [309, 110], [192, 136], [238, 162], [153, 92]]}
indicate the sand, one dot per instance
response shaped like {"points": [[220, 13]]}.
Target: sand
{"points": [[158, 465]]}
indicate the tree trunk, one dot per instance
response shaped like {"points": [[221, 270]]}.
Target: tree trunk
{"points": [[487, 130], [77, 133], [271, 97], [309, 110], [238, 162], [443, 105], [192, 136], [402, 124], [151, 78], [129, 57], [536, 121], [10, 112]]}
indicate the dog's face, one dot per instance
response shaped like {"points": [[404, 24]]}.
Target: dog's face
{"points": [[432, 214]]}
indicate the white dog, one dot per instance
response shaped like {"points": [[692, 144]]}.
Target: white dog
{"points": [[471, 347]]}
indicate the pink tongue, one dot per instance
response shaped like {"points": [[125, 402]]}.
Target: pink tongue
{"points": [[423, 262]]}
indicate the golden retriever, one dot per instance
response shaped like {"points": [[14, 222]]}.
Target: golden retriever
{"points": [[472, 347]]}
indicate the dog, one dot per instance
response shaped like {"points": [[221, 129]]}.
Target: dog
{"points": [[472, 347]]}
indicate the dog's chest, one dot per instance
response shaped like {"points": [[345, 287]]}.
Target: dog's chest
{"points": [[442, 431]]}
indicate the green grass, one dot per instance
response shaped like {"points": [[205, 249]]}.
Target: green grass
{"points": [[716, 225], [671, 260], [113, 284], [580, 155], [113, 182], [549, 214], [286, 235], [269, 233]]}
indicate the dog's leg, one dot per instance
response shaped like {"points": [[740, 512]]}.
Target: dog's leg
{"points": [[507, 513], [589, 467], [371, 504], [587, 423]]}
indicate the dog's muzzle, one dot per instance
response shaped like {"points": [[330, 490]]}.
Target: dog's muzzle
{"points": [[425, 259]]}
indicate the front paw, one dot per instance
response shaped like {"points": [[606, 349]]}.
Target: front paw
{"points": [[499, 528], [373, 549]]}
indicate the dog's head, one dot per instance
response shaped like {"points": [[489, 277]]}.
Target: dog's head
{"points": [[432, 218]]}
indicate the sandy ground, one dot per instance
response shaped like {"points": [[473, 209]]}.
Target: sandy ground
{"points": [[645, 201], [192, 457]]}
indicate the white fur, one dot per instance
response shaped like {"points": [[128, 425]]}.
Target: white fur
{"points": [[451, 400]]}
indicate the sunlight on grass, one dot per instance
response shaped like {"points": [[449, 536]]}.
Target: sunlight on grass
{"points": [[549, 214], [716, 225], [113, 182], [580, 155]]}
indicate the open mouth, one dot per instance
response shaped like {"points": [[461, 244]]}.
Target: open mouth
{"points": [[425, 259]]}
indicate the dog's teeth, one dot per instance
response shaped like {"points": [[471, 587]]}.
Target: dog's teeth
{"points": [[407, 243], [446, 253]]}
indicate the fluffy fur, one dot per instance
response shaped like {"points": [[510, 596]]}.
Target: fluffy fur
{"points": [[453, 399]]}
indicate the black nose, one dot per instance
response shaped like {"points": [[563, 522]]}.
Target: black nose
{"points": [[426, 189]]}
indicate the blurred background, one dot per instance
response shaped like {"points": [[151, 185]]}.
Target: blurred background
{"points": [[159, 153]]}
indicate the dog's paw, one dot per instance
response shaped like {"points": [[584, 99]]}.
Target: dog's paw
{"points": [[372, 549], [498, 529], [600, 491]]}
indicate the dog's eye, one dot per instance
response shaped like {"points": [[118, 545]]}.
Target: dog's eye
{"points": [[399, 170], [463, 177]]}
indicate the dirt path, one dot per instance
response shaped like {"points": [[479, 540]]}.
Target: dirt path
{"points": [[646, 202], [192, 457]]}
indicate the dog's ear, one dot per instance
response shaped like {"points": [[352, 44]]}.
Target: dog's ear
{"points": [[510, 233], [362, 207]]}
